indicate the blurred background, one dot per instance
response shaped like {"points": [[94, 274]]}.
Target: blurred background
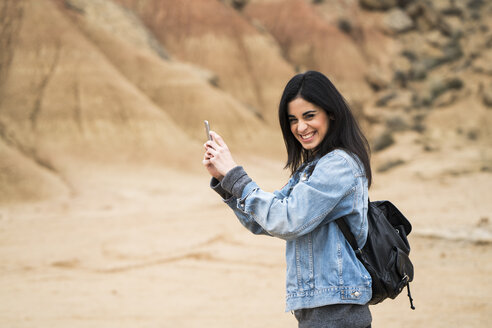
{"points": [[106, 217]]}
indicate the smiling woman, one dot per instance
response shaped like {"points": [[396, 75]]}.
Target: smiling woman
{"points": [[328, 157], [343, 131], [308, 123]]}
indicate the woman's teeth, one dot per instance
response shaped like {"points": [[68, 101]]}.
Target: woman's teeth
{"points": [[307, 136]]}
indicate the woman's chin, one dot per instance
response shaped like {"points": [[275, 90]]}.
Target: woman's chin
{"points": [[309, 146]]}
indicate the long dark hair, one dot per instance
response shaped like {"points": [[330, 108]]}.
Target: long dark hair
{"points": [[343, 133]]}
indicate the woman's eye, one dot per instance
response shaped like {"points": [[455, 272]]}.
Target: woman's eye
{"points": [[292, 121], [309, 116]]}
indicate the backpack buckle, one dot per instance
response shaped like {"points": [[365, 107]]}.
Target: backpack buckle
{"points": [[405, 279]]}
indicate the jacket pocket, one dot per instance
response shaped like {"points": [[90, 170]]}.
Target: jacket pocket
{"points": [[305, 262]]}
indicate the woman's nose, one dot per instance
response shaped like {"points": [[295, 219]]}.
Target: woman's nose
{"points": [[301, 126]]}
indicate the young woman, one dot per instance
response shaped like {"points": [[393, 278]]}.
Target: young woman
{"points": [[329, 159]]}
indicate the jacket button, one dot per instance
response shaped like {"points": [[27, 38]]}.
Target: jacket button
{"points": [[356, 294]]}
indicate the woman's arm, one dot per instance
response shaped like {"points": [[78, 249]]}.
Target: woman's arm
{"points": [[231, 201], [328, 194], [309, 204], [218, 161]]}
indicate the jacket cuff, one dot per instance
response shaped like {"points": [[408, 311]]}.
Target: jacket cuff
{"points": [[235, 180], [215, 185]]}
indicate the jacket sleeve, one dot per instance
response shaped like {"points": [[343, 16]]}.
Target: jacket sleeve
{"points": [[310, 203], [231, 201]]}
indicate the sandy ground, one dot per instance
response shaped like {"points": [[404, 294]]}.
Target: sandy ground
{"points": [[136, 248]]}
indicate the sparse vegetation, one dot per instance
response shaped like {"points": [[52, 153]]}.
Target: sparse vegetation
{"points": [[383, 141], [390, 164]]}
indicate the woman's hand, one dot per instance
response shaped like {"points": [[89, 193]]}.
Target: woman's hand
{"points": [[210, 167], [217, 159]]}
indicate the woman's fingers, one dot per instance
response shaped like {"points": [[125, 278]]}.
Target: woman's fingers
{"points": [[218, 139], [211, 152], [212, 148], [211, 145], [217, 156]]}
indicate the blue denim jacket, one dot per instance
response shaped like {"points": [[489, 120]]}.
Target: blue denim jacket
{"points": [[322, 268]]}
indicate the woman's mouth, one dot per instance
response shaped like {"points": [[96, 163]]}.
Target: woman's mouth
{"points": [[307, 137]]}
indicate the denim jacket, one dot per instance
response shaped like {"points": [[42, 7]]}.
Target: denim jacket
{"points": [[322, 268]]}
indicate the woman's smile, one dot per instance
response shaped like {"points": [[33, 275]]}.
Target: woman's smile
{"points": [[308, 123], [307, 137]]}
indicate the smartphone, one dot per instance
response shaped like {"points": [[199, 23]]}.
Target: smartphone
{"points": [[207, 130]]}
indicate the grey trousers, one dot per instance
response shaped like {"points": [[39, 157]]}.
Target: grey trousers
{"points": [[335, 316]]}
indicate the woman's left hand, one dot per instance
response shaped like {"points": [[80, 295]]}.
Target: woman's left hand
{"points": [[218, 154]]}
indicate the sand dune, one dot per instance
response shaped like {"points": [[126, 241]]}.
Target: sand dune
{"points": [[180, 91], [86, 93], [55, 99], [251, 67], [311, 42]]}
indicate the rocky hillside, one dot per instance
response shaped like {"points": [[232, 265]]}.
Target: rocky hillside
{"points": [[107, 82]]}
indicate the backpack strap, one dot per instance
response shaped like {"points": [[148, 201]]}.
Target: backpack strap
{"points": [[342, 224]]}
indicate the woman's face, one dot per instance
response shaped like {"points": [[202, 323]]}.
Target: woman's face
{"points": [[309, 123]]}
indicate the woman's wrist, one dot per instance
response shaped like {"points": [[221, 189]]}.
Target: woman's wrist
{"points": [[230, 167]]}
